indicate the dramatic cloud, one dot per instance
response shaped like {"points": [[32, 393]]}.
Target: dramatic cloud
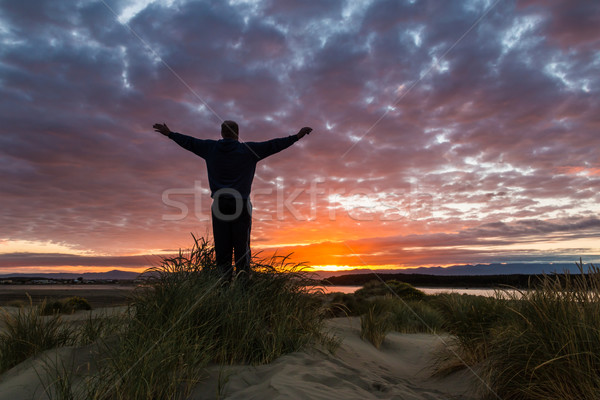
{"points": [[444, 132]]}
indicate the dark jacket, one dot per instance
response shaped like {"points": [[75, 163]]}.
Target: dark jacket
{"points": [[231, 164]]}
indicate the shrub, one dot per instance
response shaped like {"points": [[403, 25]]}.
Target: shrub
{"points": [[76, 303], [405, 291], [65, 306], [49, 307], [400, 289]]}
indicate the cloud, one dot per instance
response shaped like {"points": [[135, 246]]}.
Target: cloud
{"points": [[496, 127]]}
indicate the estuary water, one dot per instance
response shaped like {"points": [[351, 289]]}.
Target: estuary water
{"points": [[474, 291], [83, 289]]}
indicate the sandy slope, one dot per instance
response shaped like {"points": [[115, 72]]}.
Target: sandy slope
{"points": [[399, 370], [24, 380]]}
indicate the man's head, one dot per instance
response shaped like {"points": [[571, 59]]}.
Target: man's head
{"points": [[229, 130]]}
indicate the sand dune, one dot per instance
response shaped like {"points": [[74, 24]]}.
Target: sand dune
{"points": [[399, 370]]}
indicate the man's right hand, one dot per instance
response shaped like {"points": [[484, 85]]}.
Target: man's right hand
{"points": [[162, 128], [304, 131]]}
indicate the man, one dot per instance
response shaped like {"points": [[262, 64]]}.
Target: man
{"points": [[231, 165]]}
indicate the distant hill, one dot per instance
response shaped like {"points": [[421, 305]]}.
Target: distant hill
{"points": [[497, 269], [114, 274], [468, 269], [481, 276]]}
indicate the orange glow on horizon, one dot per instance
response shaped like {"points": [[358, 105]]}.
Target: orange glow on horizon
{"points": [[367, 268]]}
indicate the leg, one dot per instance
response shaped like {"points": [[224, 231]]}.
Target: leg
{"points": [[223, 245], [241, 238]]}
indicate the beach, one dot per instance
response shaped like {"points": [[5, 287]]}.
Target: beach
{"points": [[400, 369]]}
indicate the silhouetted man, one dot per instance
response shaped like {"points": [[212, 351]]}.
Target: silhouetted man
{"points": [[231, 166]]}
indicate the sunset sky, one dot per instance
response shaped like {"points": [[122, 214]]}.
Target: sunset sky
{"points": [[445, 132]]}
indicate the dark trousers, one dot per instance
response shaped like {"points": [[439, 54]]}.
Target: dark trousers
{"points": [[232, 221]]}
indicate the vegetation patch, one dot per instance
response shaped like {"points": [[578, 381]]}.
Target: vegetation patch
{"points": [[540, 343], [67, 305], [549, 346], [185, 316], [391, 287]]}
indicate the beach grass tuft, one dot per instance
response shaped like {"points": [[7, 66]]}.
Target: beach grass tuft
{"points": [[27, 332], [390, 306], [417, 316], [470, 320], [376, 323], [392, 313], [549, 346]]}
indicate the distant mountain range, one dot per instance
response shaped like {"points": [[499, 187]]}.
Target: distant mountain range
{"points": [[498, 269], [114, 274], [455, 270], [468, 269]]}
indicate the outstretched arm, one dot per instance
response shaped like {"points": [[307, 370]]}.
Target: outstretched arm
{"points": [[196, 146], [270, 147]]}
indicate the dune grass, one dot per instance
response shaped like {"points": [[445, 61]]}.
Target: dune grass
{"points": [[470, 320], [549, 346], [377, 321], [27, 332], [417, 316], [99, 327], [393, 306], [540, 343], [185, 317], [253, 320]]}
